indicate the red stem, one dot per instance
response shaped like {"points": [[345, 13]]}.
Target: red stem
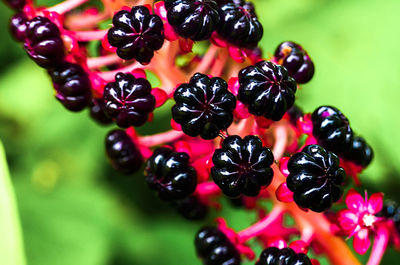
{"points": [[89, 35], [206, 189], [160, 138], [66, 6], [97, 62], [207, 60], [110, 75], [281, 137], [380, 244]]}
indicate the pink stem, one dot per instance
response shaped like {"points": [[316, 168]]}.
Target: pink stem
{"points": [[206, 189], [84, 21], [281, 135], [66, 6], [160, 138], [206, 60], [262, 225], [220, 63], [380, 245], [109, 75], [89, 35], [97, 62]]}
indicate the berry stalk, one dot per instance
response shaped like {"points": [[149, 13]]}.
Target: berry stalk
{"points": [[381, 241]]}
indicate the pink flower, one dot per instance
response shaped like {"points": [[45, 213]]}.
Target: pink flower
{"points": [[359, 219]]}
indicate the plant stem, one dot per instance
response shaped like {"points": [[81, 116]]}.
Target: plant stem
{"points": [[380, 244], [160, 138], [97, 62], [281, 137], [66, 6], [89, 35], [206, 189]]}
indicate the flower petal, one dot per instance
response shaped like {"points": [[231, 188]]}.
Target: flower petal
{"points": [[375, 203], [361, 241], [348, 220], [354, 201]]}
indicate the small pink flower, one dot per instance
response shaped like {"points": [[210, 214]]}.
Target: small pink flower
{"points": [[359, 219]]}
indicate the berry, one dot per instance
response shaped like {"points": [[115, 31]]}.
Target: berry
{"points": [[295, 113], [136, 34], [284, 256], [332, 129], [214, 248], [267, 90], [360, 152], [191, 208], [204, 106], [15, 4], [315, 178], [239, 24], [128, 100], [123, 152], [43, 42], [193, 19], [97, 112], [18, 25], [391, 210], [170, 174], [296, 60], [242, 166], [72, 86]]}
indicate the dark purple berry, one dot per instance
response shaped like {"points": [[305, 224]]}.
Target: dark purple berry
{"points": [[72, 85], [315, 178], [296, 60], [332, 129], [239, 24], [43, 42], [136, 34], [284, 256], [128, 100], [214, 248], [242, 166], [18, 26], [191, 208], [170, 174], [15, 4], [295, 113], [123, 152], [204, 106], [97, 112], [391, 211], [193, 19], [267, 90], [360, 152]]}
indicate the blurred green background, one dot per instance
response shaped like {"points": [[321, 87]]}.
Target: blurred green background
{"points": [[74, 209]]}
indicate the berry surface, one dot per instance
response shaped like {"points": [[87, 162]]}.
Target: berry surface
{"points": [[97, 112], [18, 26], [284, 256], [360, 152], [191, 208]]}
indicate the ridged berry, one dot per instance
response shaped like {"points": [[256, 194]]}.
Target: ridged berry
{"points": [[214, 248], [170, 174], [284, 256], [72, 85], [136, 34], [18, 26], [204, 106], [128, 100], [315, 178], [332, 129], [239, 24], [267, 90], [360, 152], [191, 208], [296, 60], [97, 112], [193, 19], [43, 42], [242, 166], [122, 152]]}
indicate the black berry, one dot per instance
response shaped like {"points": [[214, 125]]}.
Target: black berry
{"points": [[136, 34], [72, 85], [267, 90], [332, 129], [18, 25], [284, 256], [296, 60], [43, 42], [123, 152], [170, 174], [191, 208], [391, 210], [128, 100], [239, 24], [204, 106], [242, 166], [360, 152], [315, 178], [193, 19], [214, 248], [97, 112]]}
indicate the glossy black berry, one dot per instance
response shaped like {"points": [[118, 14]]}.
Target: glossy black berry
{"points": [[214, 248], [284, 256], [360, 152], [193, 19], [191, 208], [296, 60], [72, 85], [15, 4], [18, 25], [43, 42], [315, 178], [239, 24], [332, 129], [242, 166], [122, 152], [136, 34], [267, 90], [97, 112], [170, 174], [204, 106], [128, 100]]}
